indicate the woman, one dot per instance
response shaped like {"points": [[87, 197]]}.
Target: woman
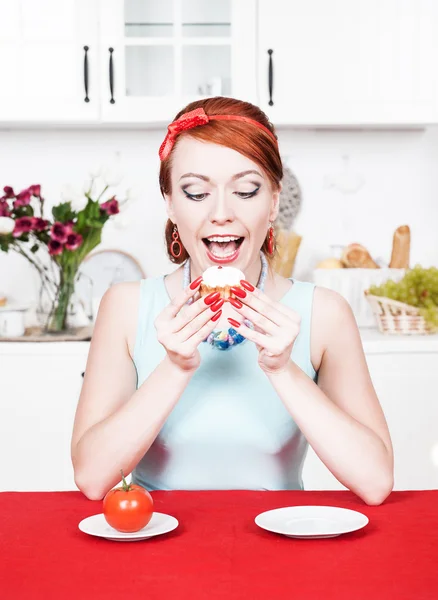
{"points": [[160, 401]]}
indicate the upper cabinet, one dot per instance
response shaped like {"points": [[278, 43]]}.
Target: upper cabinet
{"points": [[158, 56], [48, 57], [305, 62], [349, 62]]}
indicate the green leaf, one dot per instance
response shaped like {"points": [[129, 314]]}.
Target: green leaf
{"points": [[34, 248], [94, 212], [80, 223], [63, 212], [4, 244], [93, 223], [24, 211]]}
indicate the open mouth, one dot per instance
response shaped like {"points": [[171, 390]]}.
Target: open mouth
{"points": [[223, 247]]}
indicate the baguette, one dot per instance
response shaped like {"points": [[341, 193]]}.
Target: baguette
{"points": [[401, 248], [356, 256]]}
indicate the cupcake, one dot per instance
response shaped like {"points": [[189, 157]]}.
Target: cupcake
{"points": [[220, 279]]}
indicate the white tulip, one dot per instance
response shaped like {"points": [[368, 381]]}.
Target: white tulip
{"points": [[112, 172], [71, 194], [95, 171], [7, 225], [79, 203]]}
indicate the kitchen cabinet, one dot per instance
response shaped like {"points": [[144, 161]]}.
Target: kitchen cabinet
{"points": [[349, 62], [156, 57], [404, 370], [41, 383], [46, 49], [40, 387]]}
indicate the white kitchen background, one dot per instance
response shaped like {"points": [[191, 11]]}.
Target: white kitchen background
{"points": [[399, 169], [354, 83]]}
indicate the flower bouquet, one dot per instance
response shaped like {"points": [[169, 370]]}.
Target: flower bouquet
{"points": [[56, 245]]}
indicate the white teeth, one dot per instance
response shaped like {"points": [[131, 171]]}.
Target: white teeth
{"points": [[230, 238], [222, 255]]}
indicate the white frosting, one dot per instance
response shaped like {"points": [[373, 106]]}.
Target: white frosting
{"points": [[222, 276]]}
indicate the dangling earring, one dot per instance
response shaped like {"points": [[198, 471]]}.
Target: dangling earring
{"points": [[175, 246], [271, 239]]}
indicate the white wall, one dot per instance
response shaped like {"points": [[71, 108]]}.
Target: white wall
{"points": [[400, 171]]}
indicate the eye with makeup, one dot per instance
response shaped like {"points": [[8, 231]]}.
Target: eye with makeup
{"points": [[243, 195]]}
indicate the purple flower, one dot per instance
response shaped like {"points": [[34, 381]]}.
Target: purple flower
{"points": [[9, 192], [23, 199], [55, 247], [22, 225], [74, 240], [59, 232], [69, 227], [111, 207], [4, 209], [35, 190], [39, 224]]}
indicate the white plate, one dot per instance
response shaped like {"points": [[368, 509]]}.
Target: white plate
{"points": [[311, 521], [159, 524]]}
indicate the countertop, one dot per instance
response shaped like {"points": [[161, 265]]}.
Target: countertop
{"points": [[374, 342]]}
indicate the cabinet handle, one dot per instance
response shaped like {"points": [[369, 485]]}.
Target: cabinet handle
{"points": [[270, 77], [86, 99], [111, 75]]}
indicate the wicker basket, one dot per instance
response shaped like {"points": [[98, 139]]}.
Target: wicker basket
{"points": [[397, 317]]}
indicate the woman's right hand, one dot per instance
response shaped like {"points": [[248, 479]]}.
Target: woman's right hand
{"points": [[181, 327]]}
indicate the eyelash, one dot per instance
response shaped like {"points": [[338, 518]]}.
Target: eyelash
{"points": [[242, 195]]}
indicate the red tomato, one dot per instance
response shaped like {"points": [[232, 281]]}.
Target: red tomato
{"points": [[128, 508]]}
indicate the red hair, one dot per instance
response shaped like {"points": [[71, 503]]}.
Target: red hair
{"points": [[247, 139]]}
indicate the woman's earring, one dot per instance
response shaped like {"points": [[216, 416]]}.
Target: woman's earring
{"points": [[271, 239], [175, 246]]}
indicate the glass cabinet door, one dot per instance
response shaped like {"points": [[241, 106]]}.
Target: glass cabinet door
{"points": [[160, 55]]}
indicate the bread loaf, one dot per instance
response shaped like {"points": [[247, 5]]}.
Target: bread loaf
{"points": [[401, 248], [356, 256]]}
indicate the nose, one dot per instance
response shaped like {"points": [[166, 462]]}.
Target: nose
{"points": [[222, 211]]}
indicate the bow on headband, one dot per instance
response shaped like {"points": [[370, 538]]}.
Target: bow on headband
{"points": [[197, 117], [186, 121]]}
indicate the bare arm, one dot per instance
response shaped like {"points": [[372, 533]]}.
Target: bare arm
{"points": [[341, 417], [115, 424]]}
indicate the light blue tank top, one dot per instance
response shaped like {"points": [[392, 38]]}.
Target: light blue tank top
{"points": [[229, 429]]}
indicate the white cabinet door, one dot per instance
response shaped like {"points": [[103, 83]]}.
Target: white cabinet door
{"points": [[39, 393], [156, 57], [349, 62], [43, 47], [407, 385]]}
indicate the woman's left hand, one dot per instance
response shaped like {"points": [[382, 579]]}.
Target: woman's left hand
{"points": [[276, 326]]}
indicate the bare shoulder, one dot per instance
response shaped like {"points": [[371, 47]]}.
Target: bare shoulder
{"points": [[119, 306], [328, 303], [331, 314]]}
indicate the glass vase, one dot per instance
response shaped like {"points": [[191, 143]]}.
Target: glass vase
{"points": [[57, 304]]}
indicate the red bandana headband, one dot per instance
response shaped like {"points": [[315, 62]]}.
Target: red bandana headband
{"points": [[197, 117]]}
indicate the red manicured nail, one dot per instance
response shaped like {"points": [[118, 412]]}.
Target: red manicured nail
{"points": [[216, 306], [238, 292], [247, 285], [233, 322], [212, 298], [196, 283], [216, 316], [236, 303]]}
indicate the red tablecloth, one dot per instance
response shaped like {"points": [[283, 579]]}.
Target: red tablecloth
{"points": [[217, 551]]}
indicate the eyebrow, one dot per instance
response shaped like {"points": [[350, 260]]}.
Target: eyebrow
{"points": [[233, 178]]}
